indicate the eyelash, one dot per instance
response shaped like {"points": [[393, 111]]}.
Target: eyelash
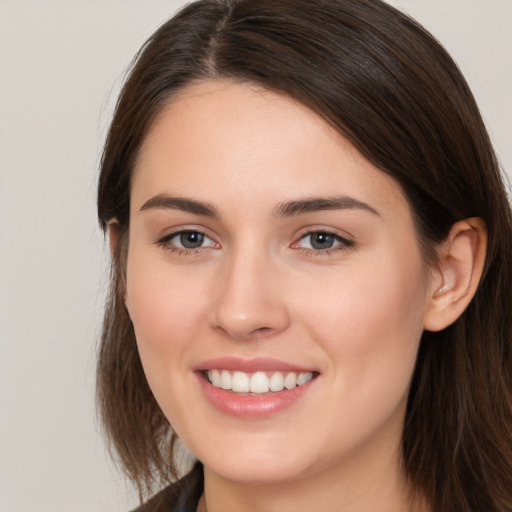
{"points": [[344, 243], [165, 242]]}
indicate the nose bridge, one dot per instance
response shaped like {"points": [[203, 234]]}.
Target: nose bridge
{"points": [[247, 302]]}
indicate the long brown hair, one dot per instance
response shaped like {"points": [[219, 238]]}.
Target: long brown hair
{"points": [[390, 88]]}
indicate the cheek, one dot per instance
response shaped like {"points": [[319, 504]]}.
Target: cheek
{"points": [[164, 307], [370, 321]]}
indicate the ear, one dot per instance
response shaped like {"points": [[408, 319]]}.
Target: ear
{"points": [[461, 260]]}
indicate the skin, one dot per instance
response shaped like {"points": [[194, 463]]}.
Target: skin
{"points": [[354, 313]]}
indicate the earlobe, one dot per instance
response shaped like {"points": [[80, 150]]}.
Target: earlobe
{"points": [[461, 261]]}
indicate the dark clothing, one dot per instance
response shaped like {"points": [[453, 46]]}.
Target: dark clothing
{"points": [[181, 496]]}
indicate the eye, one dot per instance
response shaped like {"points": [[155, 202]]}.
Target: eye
{"points": [[323, 241], [187, 240]]}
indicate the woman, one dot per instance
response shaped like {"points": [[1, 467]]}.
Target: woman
{"points": [[311, 267]]}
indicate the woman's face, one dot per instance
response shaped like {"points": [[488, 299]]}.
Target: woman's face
{"points": [[266, 253]]}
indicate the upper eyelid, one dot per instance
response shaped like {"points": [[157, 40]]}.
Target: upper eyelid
{"points": [[334, 234], [338, 233], [165, 243], [343, 241], [170, 233]]}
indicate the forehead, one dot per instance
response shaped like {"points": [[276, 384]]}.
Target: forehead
{"points": [[223, 139]]}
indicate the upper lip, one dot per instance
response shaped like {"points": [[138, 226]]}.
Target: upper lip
{"points": [[250, 365]]}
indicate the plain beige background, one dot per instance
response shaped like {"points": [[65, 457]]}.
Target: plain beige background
{"points": [[61, 63]]}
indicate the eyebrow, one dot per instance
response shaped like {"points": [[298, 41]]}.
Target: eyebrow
{"points": [[284, 209], [181, 203], [317, 204]]}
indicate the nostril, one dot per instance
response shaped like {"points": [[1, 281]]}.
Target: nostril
{"points": [[246, 333]]}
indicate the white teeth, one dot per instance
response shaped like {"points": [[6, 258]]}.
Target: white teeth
{"points": [[240, 382], [225, 380], [303, 378], [258, 382], [215, 379], [290, 381], [276, 382]]}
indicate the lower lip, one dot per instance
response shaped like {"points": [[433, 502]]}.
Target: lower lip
{"points": [[252, 406]]}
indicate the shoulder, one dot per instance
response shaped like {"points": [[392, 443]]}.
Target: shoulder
{"points": [[181, 496]]}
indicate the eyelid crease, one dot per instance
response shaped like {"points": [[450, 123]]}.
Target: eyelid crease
{"points": [[327, 230], [328, 233]]}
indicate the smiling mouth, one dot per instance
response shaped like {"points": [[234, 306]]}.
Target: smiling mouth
{"points": [[257, 383]]}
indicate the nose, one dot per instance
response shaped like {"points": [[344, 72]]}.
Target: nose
{"points": [[249, 302]]}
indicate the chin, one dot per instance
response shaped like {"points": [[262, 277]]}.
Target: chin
{"points": [[257, 470], [259, 460]]}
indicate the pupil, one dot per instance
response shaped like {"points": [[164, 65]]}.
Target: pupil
{"points": [[191, 239], [322, 241]]}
